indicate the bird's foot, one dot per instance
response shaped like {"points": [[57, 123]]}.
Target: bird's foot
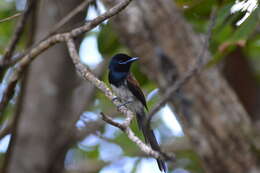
{"points": [[115, 98], [123, 104]]}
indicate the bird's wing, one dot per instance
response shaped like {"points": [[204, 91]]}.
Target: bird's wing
{"points": [[134, 87]]}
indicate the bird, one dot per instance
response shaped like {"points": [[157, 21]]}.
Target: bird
{"points": [[129, 93]]}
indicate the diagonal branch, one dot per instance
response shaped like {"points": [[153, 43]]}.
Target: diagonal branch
{"points": [[10, 17], [130, 134], [196, 69], [88, 75], [54, 30], [6, 129], [16, 72], [18, 32], [69, 16]]}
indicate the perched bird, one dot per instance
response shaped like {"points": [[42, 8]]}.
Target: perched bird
{"points": [[130, 94]]}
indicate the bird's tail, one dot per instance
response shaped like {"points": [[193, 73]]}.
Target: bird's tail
{"points": [[150, 138]]}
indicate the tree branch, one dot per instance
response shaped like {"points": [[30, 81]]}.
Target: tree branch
{"points": [[194, 70], [10, 17], [54, 30], [6, 129], [69, 16], [17, 34], [87, 75], [130, 134], [16, 71]]}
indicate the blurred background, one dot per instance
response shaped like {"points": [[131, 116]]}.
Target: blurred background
{"points": [[53, 124]]}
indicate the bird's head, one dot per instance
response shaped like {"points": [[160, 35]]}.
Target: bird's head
{"points": [[121, 62]]}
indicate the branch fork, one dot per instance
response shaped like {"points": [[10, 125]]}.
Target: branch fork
{"points": [[88, 75]]}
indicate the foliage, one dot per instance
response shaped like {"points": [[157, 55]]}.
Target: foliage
{"points": [[226, 36], [108, 42], [6, 28]]}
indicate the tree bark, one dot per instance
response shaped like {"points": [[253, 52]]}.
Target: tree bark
{"points": [[245, 85], [212, 116], [53, 100]]}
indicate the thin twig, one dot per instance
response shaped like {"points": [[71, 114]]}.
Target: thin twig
{"points": [[130, 134], [110, 120], [6, 129], [86, 74], [18, 32], [10, 17], [195, 69], [69, 16], [16, 71]]}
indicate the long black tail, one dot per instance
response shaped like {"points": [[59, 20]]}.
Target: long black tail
{"points": [[150, 138]]}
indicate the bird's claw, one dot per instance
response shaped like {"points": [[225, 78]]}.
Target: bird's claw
{"points": [[123, 104], [115, 98]]}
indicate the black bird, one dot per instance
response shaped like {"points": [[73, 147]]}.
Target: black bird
{"points": [[130, 94]]}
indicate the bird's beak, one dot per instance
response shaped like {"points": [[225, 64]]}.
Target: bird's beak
{"points": [[130, 60], [133, 59]]}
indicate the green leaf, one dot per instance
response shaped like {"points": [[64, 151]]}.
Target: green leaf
{"points": [[246, 29], [6, 28], [90, 152], [94, 153], [197, 13], [194, 164], [108, 42], [220, 55], [127, 146], [252, 48], [222, 15]]}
